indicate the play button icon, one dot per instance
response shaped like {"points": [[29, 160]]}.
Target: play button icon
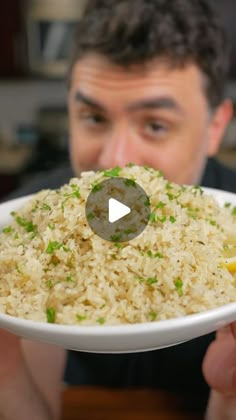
{"points": [[117, 209]]}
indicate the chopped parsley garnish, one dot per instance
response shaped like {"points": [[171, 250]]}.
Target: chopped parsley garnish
{"points": [[101, 320], [96, 187], [75, 191], [147, 202], [153, 217], [212, 222], [128, 231], [28, 225], [152, 315], [130, 183], [51, 315], [160, 205], [151, 280], [33, 235], [172, 219], [7, 229], [197, 188], [156, 255], [90, 216], [169, 186], [191, 213], [170, 196], [81, 317], [227, 205], [51, 226], [35, 208], [234, 211], [118, 245], [130, 165], [45, 206], [53, 246], [112, 172], [179, 286], [49, 284], [116, 238], [162, 219], [65, 249], [18, 269], [74, 194], [70, 279]]}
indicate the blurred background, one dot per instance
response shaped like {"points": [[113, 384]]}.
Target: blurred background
{"points": [[35, 43]]}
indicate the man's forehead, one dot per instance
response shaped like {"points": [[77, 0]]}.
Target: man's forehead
{"points": [[93, 67]]}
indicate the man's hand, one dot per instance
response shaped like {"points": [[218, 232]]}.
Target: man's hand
{"points": [[30, 379], [219, 369], [10, 354]]}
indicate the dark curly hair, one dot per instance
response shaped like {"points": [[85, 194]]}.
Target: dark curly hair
{"points": [[132, 32]]}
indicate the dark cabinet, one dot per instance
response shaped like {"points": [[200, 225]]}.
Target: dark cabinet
{"points": [[36, 36], [12, 39]]}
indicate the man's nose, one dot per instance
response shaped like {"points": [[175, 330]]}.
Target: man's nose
{"points": [[119, 150]]}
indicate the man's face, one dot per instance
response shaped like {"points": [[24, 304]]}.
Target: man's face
{"points": [[151, 115]]}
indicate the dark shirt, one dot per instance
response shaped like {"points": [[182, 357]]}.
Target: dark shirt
{"points": [[173, 368]]}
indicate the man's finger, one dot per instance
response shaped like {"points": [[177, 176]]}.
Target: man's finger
{"points": [[222, 332], [233, 329]]}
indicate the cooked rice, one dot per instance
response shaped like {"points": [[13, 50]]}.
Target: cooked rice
{"points": [[54, 268]]}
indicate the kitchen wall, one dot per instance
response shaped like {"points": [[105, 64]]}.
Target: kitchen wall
{"points": [[20, 101], [24, 151]]}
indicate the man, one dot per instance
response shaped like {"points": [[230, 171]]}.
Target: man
{"points": [[146, 85]]}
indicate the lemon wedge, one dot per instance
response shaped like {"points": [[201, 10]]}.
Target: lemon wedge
{"points": [[230, 264], [229, 254]]}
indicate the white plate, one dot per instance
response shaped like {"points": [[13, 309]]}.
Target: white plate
{"points": [[121, 338]]}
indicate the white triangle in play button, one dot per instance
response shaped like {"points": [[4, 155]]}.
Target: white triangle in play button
{"points": [[116, 210]]}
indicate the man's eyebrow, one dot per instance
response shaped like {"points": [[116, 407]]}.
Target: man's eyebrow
{"points": [[86, 100], [163, 102]]}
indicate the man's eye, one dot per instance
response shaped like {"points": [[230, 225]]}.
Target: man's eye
{"points": [[155, 127], [93, 119]]}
